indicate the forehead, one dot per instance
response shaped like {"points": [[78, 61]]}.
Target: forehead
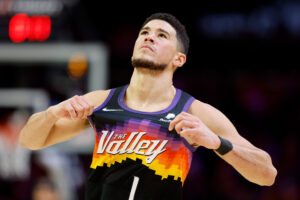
{"points": [[157, 24]]}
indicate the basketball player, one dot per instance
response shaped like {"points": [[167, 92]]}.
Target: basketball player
{"points": [[147, 130]]}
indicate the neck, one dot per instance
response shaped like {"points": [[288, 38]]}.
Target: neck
{"points": [[148, 88]]}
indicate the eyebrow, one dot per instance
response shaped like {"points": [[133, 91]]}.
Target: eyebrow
{"points": [[159, 29]]}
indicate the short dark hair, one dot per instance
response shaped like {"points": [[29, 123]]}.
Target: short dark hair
{"points": [[181, 33]]}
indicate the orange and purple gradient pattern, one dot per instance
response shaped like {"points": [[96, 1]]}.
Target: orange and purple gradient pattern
{"points": [[135, 139]]}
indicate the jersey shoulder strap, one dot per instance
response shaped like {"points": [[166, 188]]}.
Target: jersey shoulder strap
{"points": [[111, 101], [184, 102]]}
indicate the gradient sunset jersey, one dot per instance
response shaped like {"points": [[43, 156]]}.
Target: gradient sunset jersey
{"points": [[135, 156]]}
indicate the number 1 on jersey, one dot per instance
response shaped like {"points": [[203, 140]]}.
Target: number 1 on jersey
{"points": [[133, 188]]}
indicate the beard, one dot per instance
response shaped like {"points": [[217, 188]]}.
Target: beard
{"points": [[146, 64]]}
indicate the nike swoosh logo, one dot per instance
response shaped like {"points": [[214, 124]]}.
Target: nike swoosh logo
{"points": [[111, 110]]}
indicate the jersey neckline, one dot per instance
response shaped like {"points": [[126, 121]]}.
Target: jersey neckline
{"points": [[167, 109]]}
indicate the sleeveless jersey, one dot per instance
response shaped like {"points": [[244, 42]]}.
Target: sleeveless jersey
{"points": [[135, 155]]}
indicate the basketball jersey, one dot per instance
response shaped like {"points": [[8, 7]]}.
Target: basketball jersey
{"points": [[135, 155]]}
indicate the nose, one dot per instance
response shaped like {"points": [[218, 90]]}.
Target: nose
{"points": [[149, 38]]}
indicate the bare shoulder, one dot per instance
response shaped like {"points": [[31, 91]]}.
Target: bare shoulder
{"points": [[212, 117], [215, 120], [204, 110], [97, 97]]}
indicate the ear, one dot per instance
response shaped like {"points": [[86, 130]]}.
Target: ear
{"points": [[179, 59]]}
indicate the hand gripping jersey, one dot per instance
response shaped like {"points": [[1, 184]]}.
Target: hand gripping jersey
{"points": [[135, 156]]}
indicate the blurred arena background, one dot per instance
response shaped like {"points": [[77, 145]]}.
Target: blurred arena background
{"points": [[243, 59]]}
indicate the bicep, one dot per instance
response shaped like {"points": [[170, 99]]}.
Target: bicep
{"points": [[216, 121]]}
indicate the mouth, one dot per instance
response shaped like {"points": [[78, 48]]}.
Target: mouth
{"points": [[147, 47]]}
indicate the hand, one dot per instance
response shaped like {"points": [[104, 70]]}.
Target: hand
{"points": [[194, 131], [77, 107]]}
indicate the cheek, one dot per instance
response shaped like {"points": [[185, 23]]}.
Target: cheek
{"points": [[134, 49], [139, 41], [135, 46], [167, 52]]}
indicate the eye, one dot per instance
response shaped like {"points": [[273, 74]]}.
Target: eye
{"points": [[162, 35], [144, 32]]}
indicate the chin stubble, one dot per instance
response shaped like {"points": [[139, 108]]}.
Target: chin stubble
{"points": [[141, 63]]}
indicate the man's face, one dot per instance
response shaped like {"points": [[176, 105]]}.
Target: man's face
{"points": [[156, 45]]}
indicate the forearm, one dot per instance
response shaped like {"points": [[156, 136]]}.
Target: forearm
{"points": [[254, 164], [37, 129]]}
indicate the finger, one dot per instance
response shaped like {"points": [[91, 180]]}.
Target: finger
{"points": [[78, 108], [187, 116], [188, 132], [183, 124], [85, 105], [87, 101], [90, 104], [177, 119], [190, 136], [71, 110]]}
